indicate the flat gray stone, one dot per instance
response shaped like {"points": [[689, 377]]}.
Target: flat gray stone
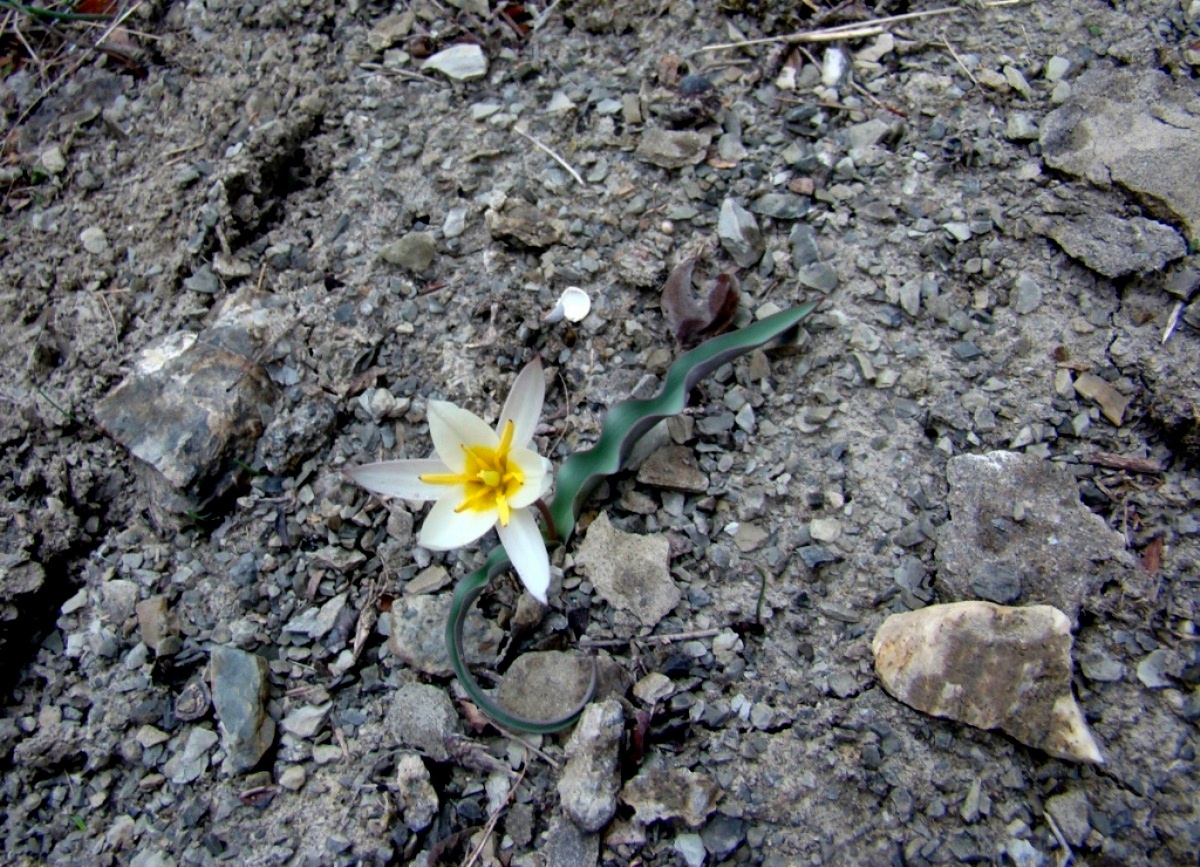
{"points": [[568, 846], [990, 666], [674, 468], [1136, 129], [1055, 554], [1115, 246], [673, 149], [629, 572], [739, 234], [418, 635], [239, 683], [1070, 811], [461, 62]]}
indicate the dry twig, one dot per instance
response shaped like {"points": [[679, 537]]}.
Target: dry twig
{"points": [[552, 154], [857, 30]]}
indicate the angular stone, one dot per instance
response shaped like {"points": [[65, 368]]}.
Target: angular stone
{"points": [[1070, 810], [674, 468], [390, 29], [461, 62], [659, 793], [1134, 128], [781, 206], [568, 846], [306, 721], [415, 794], [414, 251], [523, 225], [1112, 403], [418, 635], [239, 692], [1055, 554], [192, 407], [1115, 246], [544, 685], [673, 149], [154, 621], [990, 666], [590, 780], [422, 717], [629, 571], [739, 234]]}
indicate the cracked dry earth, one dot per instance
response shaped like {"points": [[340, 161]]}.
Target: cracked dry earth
{"points": [[226, 280]]}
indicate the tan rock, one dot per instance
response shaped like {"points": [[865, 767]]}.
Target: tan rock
{"points": [[991, 666]]}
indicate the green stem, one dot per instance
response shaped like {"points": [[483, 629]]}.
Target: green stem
{"points": [[624, 425], [38, 12]]}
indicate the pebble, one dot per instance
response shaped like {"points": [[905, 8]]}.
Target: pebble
{"points": [[629, 571], [653, 688], [818, 276], [568, 846], [989, 666], [781, 206], [690, 848], [1070, 811], [1020, 128], [461, 62], [1112, 403], [1056, 68], [673, 149], [193, 761], [455, 223], [93, 239], [1158, 669], [390, 29], [1017, 81], [661, 793], [1026, 294], [825, 529], [422, 717], [53, 161], [306, 721], [739, 234], [293, 778], [414, 251], [590, 780]]}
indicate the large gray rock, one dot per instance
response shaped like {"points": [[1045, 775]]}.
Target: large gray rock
{"points": [[673, 149], [629, 571], [1115, 246], [990, 666], [545, 685], [590, 781], [239, 693], [1136, 129], [193, 406], [1018, 533]]}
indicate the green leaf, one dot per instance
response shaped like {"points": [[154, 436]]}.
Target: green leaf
{"points": [[625, 424]]}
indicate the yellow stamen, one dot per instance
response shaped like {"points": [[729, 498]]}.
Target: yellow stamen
{"points": [[489, 477]]}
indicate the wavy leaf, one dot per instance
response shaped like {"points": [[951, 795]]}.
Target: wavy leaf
{"points": [[624, 425]]}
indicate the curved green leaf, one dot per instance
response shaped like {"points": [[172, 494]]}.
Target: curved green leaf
{"points": [[624, 425], [630, 420], [465, 593]]}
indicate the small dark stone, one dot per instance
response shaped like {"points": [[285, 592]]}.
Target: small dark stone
{"points": [[966, 350], [814, 556], [997, 582]]}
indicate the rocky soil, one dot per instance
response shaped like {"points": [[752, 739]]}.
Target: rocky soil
{"points": [[249, 257]]}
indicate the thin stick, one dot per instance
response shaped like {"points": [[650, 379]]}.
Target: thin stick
{"points": [[958, 60], [830, 34], [490, 827], [1067, 854], [553, 155], [527, 745], [541, 19], [36, 58], [649, 639]]}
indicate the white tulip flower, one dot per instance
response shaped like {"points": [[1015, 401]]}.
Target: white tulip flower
{"points": [[481, 478]]}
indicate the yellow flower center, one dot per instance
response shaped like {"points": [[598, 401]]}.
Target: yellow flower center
{"points": [[489, 478]]}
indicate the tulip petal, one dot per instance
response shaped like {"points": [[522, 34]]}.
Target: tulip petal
{"points": [[445, 528], [536, 470], [524, 404], [400, 478], [523, 543], [451, 428]]}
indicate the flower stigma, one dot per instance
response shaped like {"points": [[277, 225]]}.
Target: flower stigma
{"points": [[489, 479]]}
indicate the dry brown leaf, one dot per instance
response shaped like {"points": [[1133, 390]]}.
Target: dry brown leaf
{"points": [[690, 319], [1152, 555]]}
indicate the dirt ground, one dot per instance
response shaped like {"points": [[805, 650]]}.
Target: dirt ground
{"points": [[249, 253]]}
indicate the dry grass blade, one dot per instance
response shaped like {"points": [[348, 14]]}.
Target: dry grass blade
{"points": [[857, 30]]}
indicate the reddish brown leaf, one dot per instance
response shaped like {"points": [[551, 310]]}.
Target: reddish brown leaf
{"points": [[690, 319], [1152, 555]]}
